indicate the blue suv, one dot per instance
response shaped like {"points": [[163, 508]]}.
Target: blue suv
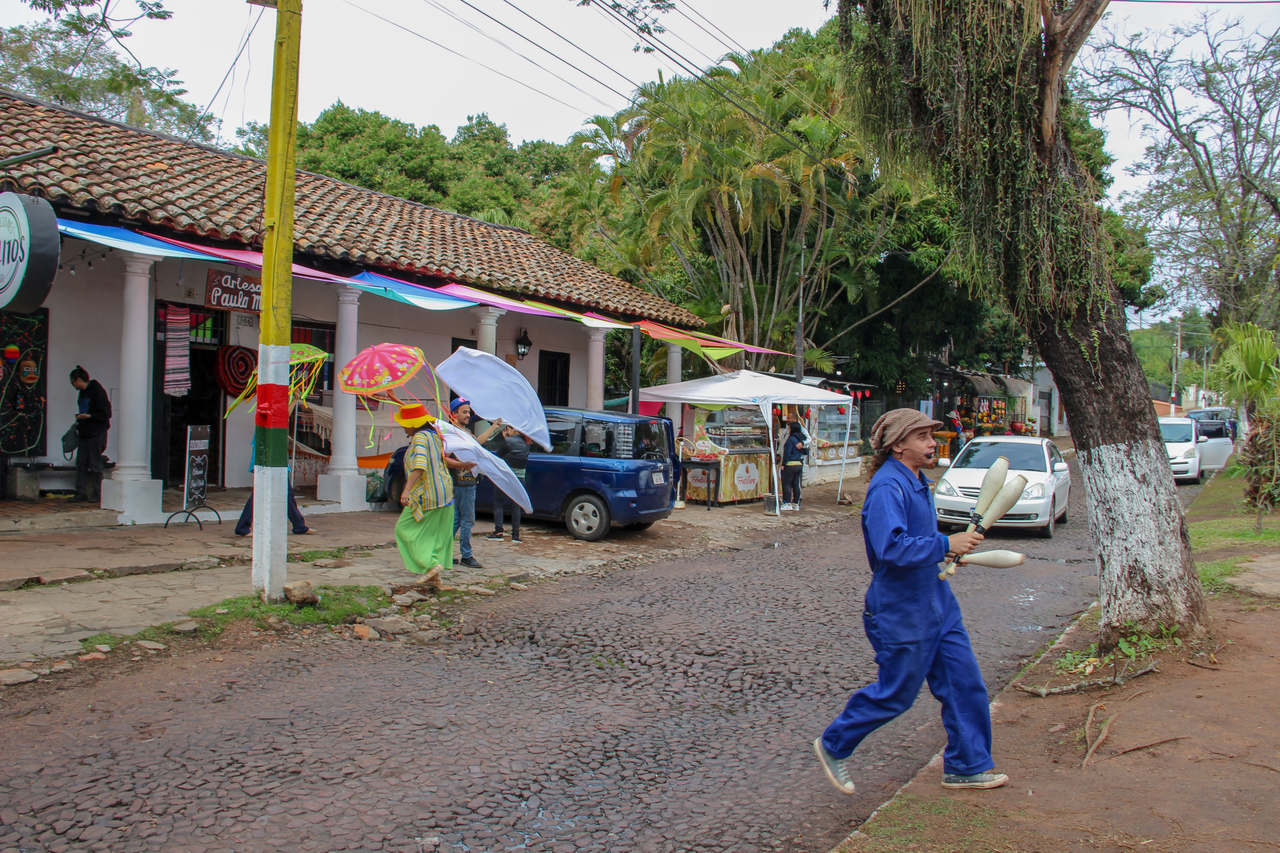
{"points": [[604, 469]]}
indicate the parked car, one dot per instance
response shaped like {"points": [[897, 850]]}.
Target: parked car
{"points": [[1217, 413], [1192, 451], [1044, 501], [605, 469]]}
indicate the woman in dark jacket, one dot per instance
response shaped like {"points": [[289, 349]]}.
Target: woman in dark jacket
{"points": [[794, 451], [92, 422]]}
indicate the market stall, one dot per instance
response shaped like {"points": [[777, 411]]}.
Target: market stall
{"points": [[744, 388], [736, 439]]}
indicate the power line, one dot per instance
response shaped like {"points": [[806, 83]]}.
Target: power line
{"points": [[453, 52], [508, 47], [195, 125]]}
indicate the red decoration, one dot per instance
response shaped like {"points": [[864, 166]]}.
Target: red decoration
{"points": [[840, 409]]}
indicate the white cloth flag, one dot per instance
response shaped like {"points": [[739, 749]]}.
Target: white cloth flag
{"points": [[496, 390], [462, 444]]}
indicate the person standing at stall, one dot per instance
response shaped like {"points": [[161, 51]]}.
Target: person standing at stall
{"points": [[911, 616], [424, 531], [93, 420], [794, 451]]}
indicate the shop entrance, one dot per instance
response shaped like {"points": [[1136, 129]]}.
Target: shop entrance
{"points": [[203, 404]]}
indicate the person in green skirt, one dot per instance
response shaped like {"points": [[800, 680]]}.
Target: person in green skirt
{"points": [[424, 532]]}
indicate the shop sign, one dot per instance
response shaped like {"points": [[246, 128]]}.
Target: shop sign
{"points": [[196, 484], [233, 291], [29, 248]]}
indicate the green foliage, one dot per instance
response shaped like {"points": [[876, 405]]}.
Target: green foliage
{"points": [[1155, 346], [1131, 647], [1214, 574], [71, 62], [338, 605]]}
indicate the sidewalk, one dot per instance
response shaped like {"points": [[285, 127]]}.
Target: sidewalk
{"points": [[122, 579]]}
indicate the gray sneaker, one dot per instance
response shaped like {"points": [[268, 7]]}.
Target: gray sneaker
{"points": [[989, 779], [835, 768]]}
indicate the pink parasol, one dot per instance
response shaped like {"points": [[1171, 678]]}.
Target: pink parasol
{"points": [[377, 370]]}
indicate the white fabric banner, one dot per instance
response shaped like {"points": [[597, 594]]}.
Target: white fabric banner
{"points": [[462, 444], [496, 390]]}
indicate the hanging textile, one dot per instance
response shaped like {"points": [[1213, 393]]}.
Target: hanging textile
{"points": [[233, 368], [177, 350]]}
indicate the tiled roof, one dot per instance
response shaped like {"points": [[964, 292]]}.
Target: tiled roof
{"points": [[106, 169]]}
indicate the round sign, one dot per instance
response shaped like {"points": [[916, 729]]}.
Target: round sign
{"points": [[29, 246]]}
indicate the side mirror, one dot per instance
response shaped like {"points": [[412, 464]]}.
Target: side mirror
{"points": [[1059, 467], [944, 462]]}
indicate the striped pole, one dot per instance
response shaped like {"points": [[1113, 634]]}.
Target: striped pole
{"points": [[271, 420]]}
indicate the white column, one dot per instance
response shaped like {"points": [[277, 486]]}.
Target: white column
{"points": [[343, 482], [595, 369], [131, 491], [487, 333], [674, 354]]}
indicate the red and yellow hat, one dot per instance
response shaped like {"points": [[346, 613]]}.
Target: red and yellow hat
{"points": [[412, 416]]}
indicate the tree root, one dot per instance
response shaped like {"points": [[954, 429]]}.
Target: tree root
{"points": [[1147, 745], [1114, 681], [1102, 735]]}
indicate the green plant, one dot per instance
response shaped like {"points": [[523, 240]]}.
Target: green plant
{"points": [[338, 605], [1213, 575], [1131, 646]]}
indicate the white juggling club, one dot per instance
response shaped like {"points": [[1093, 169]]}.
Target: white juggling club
{"points": [[991, 483], [997, 559], [1005, 498]]}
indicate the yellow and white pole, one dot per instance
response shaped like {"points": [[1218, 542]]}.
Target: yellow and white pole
{"points": [[271, 420]]}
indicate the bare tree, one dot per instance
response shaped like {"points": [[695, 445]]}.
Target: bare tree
{"points": [[1208, 98]]}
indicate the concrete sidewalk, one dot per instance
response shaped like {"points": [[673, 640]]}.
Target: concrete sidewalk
{"points": [[123, 579]]}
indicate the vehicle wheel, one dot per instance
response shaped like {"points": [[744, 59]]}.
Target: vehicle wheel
{"points": [[587, 517], [1200, 476], [1047, 530], [395, 486]]}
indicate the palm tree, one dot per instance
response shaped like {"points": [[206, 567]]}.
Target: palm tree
{"points": [[1249, 372]]}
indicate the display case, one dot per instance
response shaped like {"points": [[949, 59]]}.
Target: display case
{"points": [[827, 429], [738, 440]]}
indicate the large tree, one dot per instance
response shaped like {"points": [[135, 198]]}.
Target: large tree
{"points": [[1208, 99], [973, 90]]}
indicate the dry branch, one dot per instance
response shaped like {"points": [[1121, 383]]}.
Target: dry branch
{"points": [[1102, 735], [1147, 745], [1114, 681]]}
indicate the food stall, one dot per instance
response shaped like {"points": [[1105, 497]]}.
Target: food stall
{"points": [[745, 389], [737, 439]]}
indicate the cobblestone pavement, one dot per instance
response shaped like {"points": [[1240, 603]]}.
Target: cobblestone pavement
{"points": [[665, 707]]}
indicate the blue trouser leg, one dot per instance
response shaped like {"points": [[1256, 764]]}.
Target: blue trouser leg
{"points": [[464, 517], [245, 524], [903, 667], [956, 682]]}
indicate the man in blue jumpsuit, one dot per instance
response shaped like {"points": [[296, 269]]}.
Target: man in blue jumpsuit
{"points": [[911, 617]]}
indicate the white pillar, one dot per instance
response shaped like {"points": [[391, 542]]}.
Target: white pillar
{"points": [[674, 354], [343, 482], [131, 491], [595, 369], [487, 333]]}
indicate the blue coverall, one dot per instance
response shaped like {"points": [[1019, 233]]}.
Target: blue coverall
{"points": [[913, 622]]}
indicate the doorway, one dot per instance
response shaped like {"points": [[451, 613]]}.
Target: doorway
{"points": [[202, 404]]}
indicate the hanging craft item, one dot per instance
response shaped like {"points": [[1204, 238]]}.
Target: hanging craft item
{"points": [[306, 363], [177, 350], [377, 371], [233, 368]]}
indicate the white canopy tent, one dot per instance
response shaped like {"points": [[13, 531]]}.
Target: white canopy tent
{"points": [[748, 388]]}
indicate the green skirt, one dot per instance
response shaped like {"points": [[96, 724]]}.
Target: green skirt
{"points": [[426, 544]]}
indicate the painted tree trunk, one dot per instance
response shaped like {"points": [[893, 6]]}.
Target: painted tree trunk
{"points": [[1147, 575]]}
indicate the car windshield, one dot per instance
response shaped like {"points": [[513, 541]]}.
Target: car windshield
{"points": [[1176, 433], [1022, 457]]}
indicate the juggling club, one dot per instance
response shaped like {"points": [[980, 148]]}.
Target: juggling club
{"points": [[991, 483], [1005, 498]]}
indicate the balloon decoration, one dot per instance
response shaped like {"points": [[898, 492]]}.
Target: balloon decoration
{"points": [[11, 352], [233, 368]]}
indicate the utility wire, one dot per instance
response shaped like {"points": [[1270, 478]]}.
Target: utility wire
{"points": [[195, 125], [501, 43], [463, 56]]}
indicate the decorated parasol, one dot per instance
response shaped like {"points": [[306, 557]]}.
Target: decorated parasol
{"points": [[377, 371]]}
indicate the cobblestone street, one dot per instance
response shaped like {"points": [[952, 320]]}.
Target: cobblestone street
{"points": [[667, 707]]}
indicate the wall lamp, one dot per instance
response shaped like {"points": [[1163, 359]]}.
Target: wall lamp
{"points": [[523, 344]]}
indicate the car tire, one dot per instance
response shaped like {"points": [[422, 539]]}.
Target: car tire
{"points": [[1047, 531], [587, 517]]}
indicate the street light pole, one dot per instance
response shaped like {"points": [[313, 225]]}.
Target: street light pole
{"points": [[1177, 356], [271, 418]]}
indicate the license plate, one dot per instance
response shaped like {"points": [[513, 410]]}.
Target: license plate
{"points": [[659, 478]]}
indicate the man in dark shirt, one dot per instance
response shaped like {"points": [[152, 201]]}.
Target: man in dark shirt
{"points": [[93, 419], [512, 448]]}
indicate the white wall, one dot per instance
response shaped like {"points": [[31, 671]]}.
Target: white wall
{"points": [[85, 317]]}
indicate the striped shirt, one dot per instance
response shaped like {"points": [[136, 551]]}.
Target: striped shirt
{"points": [[434, 488]]}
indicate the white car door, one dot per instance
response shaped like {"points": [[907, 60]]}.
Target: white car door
{"points": [[1061, 479], [1216, 447]]}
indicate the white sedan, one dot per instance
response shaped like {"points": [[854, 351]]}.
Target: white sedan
{"points": [[1043, 503], [1195, 448]]}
